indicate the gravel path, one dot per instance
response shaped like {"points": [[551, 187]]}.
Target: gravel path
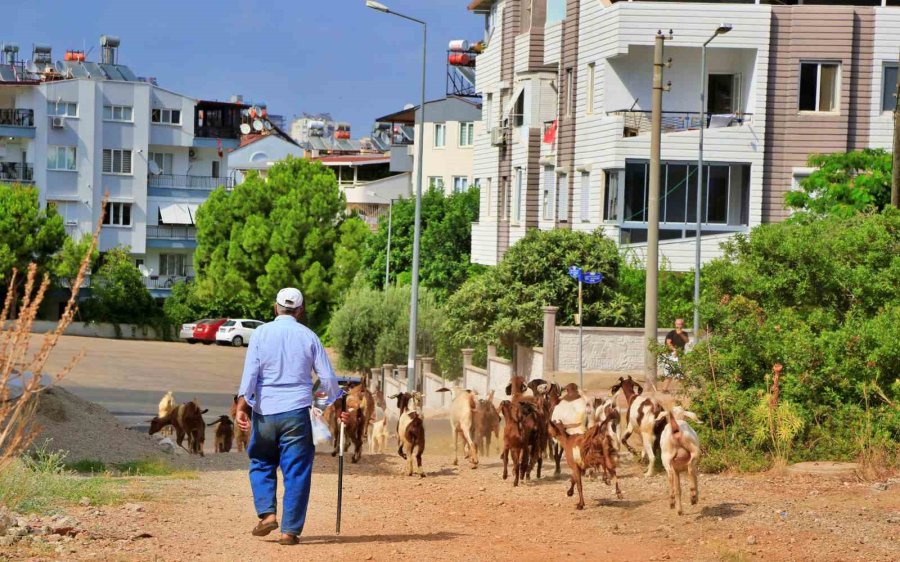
{"points": [[460, 514]]}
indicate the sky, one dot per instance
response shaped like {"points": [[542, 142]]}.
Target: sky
{"points": [[297, 56]]}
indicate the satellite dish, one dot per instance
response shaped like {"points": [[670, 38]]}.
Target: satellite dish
{"points": [[268, 125], [153, 167], [257, 125], [245, 129]]}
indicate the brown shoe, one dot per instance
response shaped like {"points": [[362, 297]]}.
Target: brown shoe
{"points": [[288, 540], [262, 528]]}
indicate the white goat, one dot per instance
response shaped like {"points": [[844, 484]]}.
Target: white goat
{"points": [[462, 422], [166, 405], [572, 410], [379, 434], [680, 451], [642, 417]]}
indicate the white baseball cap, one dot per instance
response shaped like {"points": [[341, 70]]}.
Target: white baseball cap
{"points": [[290, 298]]}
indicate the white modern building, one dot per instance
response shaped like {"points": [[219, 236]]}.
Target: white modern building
{"points": [[80, 129], [451, 126], [567, 90]]}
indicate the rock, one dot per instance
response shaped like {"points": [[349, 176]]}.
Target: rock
{"points": [[751, 540], [21, 522], [66, 522], [166, 446], [8, 540], [54, 538], [84, 502], [138, 536], [133, 507], [880, 486], [482, 489], [17, 532], [6, 521]]}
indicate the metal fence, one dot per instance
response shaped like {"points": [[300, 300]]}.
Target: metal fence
{"points": [[16, 172], [639, 122], [189, 182], [169, 232], [17, 117]]}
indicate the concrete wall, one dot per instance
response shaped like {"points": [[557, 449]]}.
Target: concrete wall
{"points": [[605, 349], [128, 331]]}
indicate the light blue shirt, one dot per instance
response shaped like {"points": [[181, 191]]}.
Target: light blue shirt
{"points": [[278, 368]]}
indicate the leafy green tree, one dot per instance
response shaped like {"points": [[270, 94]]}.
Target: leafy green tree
{"points": [[445, 245], [844, 183], [372, 327], [67, 261], [119, 294], [284, 230], [27, 232], [348, 258]]}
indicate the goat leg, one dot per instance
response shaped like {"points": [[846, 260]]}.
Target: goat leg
{"points": [[576, 475], [504, 456]]}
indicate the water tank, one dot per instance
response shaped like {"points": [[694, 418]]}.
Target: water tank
{"points": [[109, 41], [459, 45], [459, 59]]}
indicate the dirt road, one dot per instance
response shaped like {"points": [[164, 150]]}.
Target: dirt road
{"points": [[463, 514]]}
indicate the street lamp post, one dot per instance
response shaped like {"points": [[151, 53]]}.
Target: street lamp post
{"points": [[721, 30], [417, 230]]}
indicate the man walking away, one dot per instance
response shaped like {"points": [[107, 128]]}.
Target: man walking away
{"points": [[277, 384], [675, 341]]}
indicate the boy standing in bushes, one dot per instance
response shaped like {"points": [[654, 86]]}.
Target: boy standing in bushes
{"points": [[676, 340]]}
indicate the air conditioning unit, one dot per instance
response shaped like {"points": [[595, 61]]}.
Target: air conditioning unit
{"points": [[71, 222], [57, 122], [498, 136]]}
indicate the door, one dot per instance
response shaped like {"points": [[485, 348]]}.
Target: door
{"points": [[724, 91]]}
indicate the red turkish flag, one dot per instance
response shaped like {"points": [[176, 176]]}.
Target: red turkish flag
{"points": [[219, 146], [550, 133]]}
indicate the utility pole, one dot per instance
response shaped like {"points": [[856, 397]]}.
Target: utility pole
{"points": [[895, 177], [652, 288]]}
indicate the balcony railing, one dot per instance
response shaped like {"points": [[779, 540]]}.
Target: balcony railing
{"points": [[167, 281], [16, 172], [188, 182], [639, 122], [17, 117], [170, 232], [218, 131]]}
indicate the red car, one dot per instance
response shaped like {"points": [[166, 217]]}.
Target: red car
{"points": [[205, 330]]}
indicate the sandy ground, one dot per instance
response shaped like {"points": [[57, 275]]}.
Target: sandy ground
{"points": [[453, 513]]}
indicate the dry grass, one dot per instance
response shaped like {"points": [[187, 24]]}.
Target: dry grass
{"points": [[16, 366]]}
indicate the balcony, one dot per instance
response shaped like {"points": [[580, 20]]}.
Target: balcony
{"points": [[215, 123], [16, 172], [205, 183], [639, 122], [164, 283], [17, 123], [171, 232]]}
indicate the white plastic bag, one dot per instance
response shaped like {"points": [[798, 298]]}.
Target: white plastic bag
{"points": [[321, 433]]}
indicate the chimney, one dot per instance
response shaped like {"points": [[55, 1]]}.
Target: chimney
{"points": [[109, 46]]}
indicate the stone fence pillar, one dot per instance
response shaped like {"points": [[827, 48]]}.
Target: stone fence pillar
{"points": [[549, 339]]}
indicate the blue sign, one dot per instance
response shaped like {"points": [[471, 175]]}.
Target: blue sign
{"points": [[575, 272], [591, 278]]}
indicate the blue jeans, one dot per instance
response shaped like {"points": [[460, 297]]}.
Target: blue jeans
{"points": [[283, 440]]}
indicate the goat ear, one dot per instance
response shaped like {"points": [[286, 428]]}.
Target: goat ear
{"points": [[509, 389], [640, 389], [204, 411], [392, 397], [692, 416], [662, 415], [444, 389]]}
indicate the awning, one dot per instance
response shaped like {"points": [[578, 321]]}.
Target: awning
{"points": [[515, 97], [193, 210], [175, 214]]}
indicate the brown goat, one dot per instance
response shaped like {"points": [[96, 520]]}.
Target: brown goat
{"points": [[187, 419], [224, 433], [241, 437], [410, 430], [354, 430], [486, 422], [590, 450], [520, 439]]}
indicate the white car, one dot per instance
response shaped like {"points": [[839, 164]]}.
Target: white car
{"points": [[237, 331]]}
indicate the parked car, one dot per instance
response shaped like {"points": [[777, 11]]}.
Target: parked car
{"points": [[187, 330], [236, 331], [206, 330]]}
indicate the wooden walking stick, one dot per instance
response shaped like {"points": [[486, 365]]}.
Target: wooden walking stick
{"points": [[340, 496]]}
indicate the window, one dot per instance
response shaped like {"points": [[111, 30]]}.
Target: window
{"points": [[589, 105], [68, 210], [491, 198], [436, 182], [611, 198], [635, 193], [818, 86], [117, 113], [486, 111], [517, 197], [460, 184], [163, 160], [174, 265], [62, 109], [466, 134], [518, 113], [166, 116], [723, 94], [117, 214], [889, 88], [215, 168], [61, 158], [440, 135], [570, 93], [547, 194], [116, 161], [563, 193], [585, 196]]}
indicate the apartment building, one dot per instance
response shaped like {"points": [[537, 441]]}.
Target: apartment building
{"points": [[451, 126], [566, 86], [80, 129]]}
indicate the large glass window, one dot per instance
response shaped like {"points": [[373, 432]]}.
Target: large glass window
{"points": [[166, 116], [466, 134], [163, 160], [117, 214], [635, 192], [61, 158], [176, 265], [724, 94], [611, 197], [440, 135], [547, 194], [118, 113], [889, 88], [116, 161], [460, 184], [436, 182], [517, 196], [819, 86], [675, 197], [62, 109]]}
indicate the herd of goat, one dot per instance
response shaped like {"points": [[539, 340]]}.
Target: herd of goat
{"points": [[538, 419]]}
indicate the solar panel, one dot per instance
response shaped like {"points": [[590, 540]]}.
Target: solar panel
{"points": [[342, 144], [77, 70], [317, 143], [112, 71], [6, 73], [94, 71], [126, 73]]}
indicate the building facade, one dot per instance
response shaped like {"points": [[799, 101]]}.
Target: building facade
{"points": [[451, 126], [80, 130], [566, 88]]}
